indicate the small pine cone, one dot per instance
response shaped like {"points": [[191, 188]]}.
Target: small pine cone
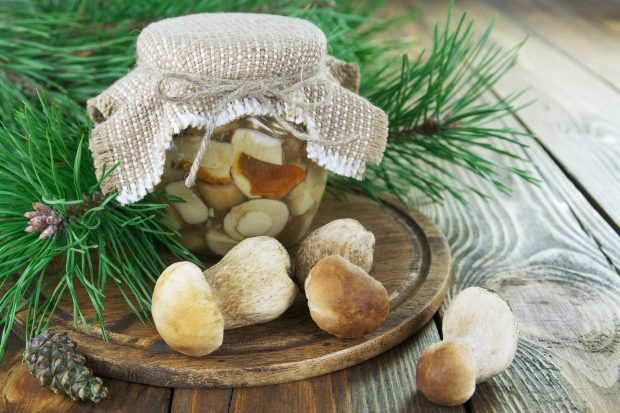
{"points": [[54, 361], [43, 219]]}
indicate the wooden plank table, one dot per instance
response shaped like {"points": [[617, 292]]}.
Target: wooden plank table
{"points": [[552, 250]]}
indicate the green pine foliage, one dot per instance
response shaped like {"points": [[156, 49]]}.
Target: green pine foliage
{"points": [[58, 53], [44, 158]]}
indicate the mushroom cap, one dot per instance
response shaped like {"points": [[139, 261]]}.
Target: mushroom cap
{"points": [[252, 282], [270, 221], [344, 300], [446, 373], [185, 311], [483, 320], [345, 237]]}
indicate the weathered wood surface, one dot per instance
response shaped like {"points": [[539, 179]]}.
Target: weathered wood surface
{"points": [[553, 257], [585, 32], [576, 113], [383, 384], [412, 261], [547, 249], [21, 393]]}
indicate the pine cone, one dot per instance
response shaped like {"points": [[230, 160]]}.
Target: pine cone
{"points": [[53, 360], [44, 220]]}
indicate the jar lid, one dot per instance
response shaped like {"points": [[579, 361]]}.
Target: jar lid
{"points": [[232, 45], [211, 63]]}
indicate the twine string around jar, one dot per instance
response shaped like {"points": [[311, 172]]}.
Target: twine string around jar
{"points": [[284, 89]]}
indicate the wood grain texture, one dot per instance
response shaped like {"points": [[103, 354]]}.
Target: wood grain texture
{"points": [[411, 260], [533, 249], [382, 384], [546, 249], [587, 33], [576, 113], [201, 400], [21, 393], [564, 292]]}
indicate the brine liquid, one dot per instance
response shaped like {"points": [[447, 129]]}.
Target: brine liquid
{"points": [[255, 179]]}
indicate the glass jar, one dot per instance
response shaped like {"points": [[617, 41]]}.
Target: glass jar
{"points": [[254, 179]]}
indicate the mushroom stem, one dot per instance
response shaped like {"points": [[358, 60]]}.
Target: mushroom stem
{"points": [[252, 282]]}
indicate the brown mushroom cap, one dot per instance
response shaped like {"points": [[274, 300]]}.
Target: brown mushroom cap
{"points": [[185, 311], [344, 300], [345, 237], [446, 373]]}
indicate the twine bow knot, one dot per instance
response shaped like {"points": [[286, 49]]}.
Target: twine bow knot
{"points": [[286, 89]]}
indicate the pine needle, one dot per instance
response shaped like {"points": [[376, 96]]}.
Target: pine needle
{"points": [[44, 159], [56, 54]]}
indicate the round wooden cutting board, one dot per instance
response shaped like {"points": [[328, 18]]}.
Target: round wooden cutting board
{"points": [[412, 261]]}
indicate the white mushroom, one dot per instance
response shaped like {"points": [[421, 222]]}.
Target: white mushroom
{"points": [[257, 145], [192, 241], [252, 282], [185, 311], [480, 336], [193, 210], [220, 197], [256, 179], [215, 164], [256, 217], [344, 237], [218, 242], [300, 200], [316, 177]]}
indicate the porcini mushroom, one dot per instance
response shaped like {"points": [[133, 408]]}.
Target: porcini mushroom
{"points": [[185, 311], [480, 337], [344, 300], [218, 242], [344, 237], [215, 164], [252, 282], [300, 200], [257, 145], [192, 241], [258, 169], [256, 178], [220, 197], [256, 217], [192, 210]]}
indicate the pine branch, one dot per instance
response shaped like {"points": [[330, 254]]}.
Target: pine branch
{"points": [[44, 159], [68, 51], [438, 115]]}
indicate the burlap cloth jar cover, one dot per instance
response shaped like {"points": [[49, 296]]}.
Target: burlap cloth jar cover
{"points": [[134, 123]]}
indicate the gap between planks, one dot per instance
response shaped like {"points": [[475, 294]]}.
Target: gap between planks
{"points": [[562, 24], [384, 383], [575, 116], [534, 249]]}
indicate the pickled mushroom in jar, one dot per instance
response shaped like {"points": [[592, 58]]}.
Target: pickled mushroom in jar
{"points": [[254, 179]]}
